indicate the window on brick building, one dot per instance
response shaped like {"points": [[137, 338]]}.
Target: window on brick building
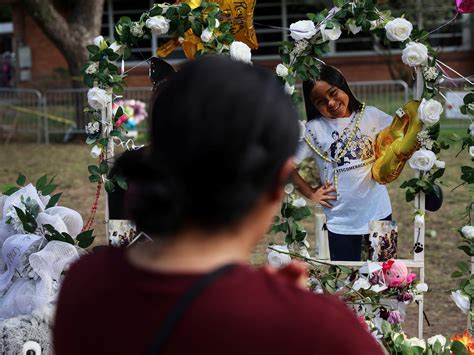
{"points": [[281, 13]]}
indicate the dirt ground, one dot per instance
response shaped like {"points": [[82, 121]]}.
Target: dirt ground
{"points": [[69, 164]]}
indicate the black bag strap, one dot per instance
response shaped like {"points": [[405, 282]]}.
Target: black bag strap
{"points": [[183, 304]]}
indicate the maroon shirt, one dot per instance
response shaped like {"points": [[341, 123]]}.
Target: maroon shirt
{"points": [[108, 306]]}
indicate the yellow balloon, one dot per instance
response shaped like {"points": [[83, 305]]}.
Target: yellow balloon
{"points": [[396, 144], [240, 15]]}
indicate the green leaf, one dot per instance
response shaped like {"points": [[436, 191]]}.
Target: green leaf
{"points": [[48, 189], [93, 169], [93, 49], [41, 182], [463, 266], [53, 200], [466, 249], [456, 274], [301, 213], [67, 238], [103, 167], [121, 182], [28, 221], [85, 239], [89, 80], [184, 9], [94, 178], [458, 348], [21, 179], [109, 186], [11, 190]]}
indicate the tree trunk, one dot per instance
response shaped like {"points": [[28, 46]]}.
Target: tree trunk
{"points": [[70, 29]]}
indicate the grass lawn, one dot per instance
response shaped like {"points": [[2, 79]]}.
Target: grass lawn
{"points": [[69, 163]]}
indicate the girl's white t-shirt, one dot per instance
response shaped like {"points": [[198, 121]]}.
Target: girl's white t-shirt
{"points": [[360, 198]]}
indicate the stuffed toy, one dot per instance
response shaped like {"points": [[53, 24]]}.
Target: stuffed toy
{"points": [[396, 273]]}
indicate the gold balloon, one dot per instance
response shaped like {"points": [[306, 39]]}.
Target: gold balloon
{"points": [[395, 144], [240, 15]]}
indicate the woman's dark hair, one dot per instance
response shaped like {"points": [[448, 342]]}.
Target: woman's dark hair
{"points": [[332, 76], [221, 132]]}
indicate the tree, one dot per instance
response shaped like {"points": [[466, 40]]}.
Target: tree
{"points": [[70, 25]]}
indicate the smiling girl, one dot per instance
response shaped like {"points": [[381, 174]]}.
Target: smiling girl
{"points": [[349, 195]]}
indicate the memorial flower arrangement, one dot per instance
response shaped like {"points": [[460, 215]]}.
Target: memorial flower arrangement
{"points": [[39, 239], [134, 112]]}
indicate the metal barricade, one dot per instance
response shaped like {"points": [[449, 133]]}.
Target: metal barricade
{"points": [[26, 112], [65, 109], [386, 95], [21, 114]]}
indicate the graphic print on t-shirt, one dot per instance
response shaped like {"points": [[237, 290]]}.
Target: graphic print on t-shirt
{"points": [[360, 148]]}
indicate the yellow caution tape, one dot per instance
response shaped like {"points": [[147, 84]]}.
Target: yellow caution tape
{"points": [[42, 114]]}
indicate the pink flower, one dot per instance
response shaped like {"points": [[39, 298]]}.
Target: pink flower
{"points": [[410, 278], [394, 317], [121, 120]]}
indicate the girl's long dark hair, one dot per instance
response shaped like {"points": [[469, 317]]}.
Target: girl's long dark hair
{"points": [[332, 76]]}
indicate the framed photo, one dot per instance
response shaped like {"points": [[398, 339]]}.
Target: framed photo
{"points": [[121, 232], [382, 241]]}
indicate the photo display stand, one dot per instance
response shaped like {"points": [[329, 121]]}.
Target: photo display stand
{"points": [[416, 263], [418, 251]]}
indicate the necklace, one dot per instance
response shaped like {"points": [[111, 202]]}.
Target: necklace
{"points": [[336, 160]]}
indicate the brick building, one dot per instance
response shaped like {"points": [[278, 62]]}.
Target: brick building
{"points": [[40, 64]]}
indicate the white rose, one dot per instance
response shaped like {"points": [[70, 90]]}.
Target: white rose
{"points": [[136, 29], [440, 164], [461, 300], [304, 29], [330, 34], [92, 68], [415, 54], [435, 338], [282, 70], [471, 151], [416, 342], [429, 111], [422, 160], [471, 129], [240, 51], [361, 283], [117, 48], [206, 35], [468, 232], [289, 188], [299, 202], [353, 27], [98, 98], [419, 221], [398, 30], [158, 25], [96, 151], [422, 287], [98, 41], [277, 259], [289, 89]]}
